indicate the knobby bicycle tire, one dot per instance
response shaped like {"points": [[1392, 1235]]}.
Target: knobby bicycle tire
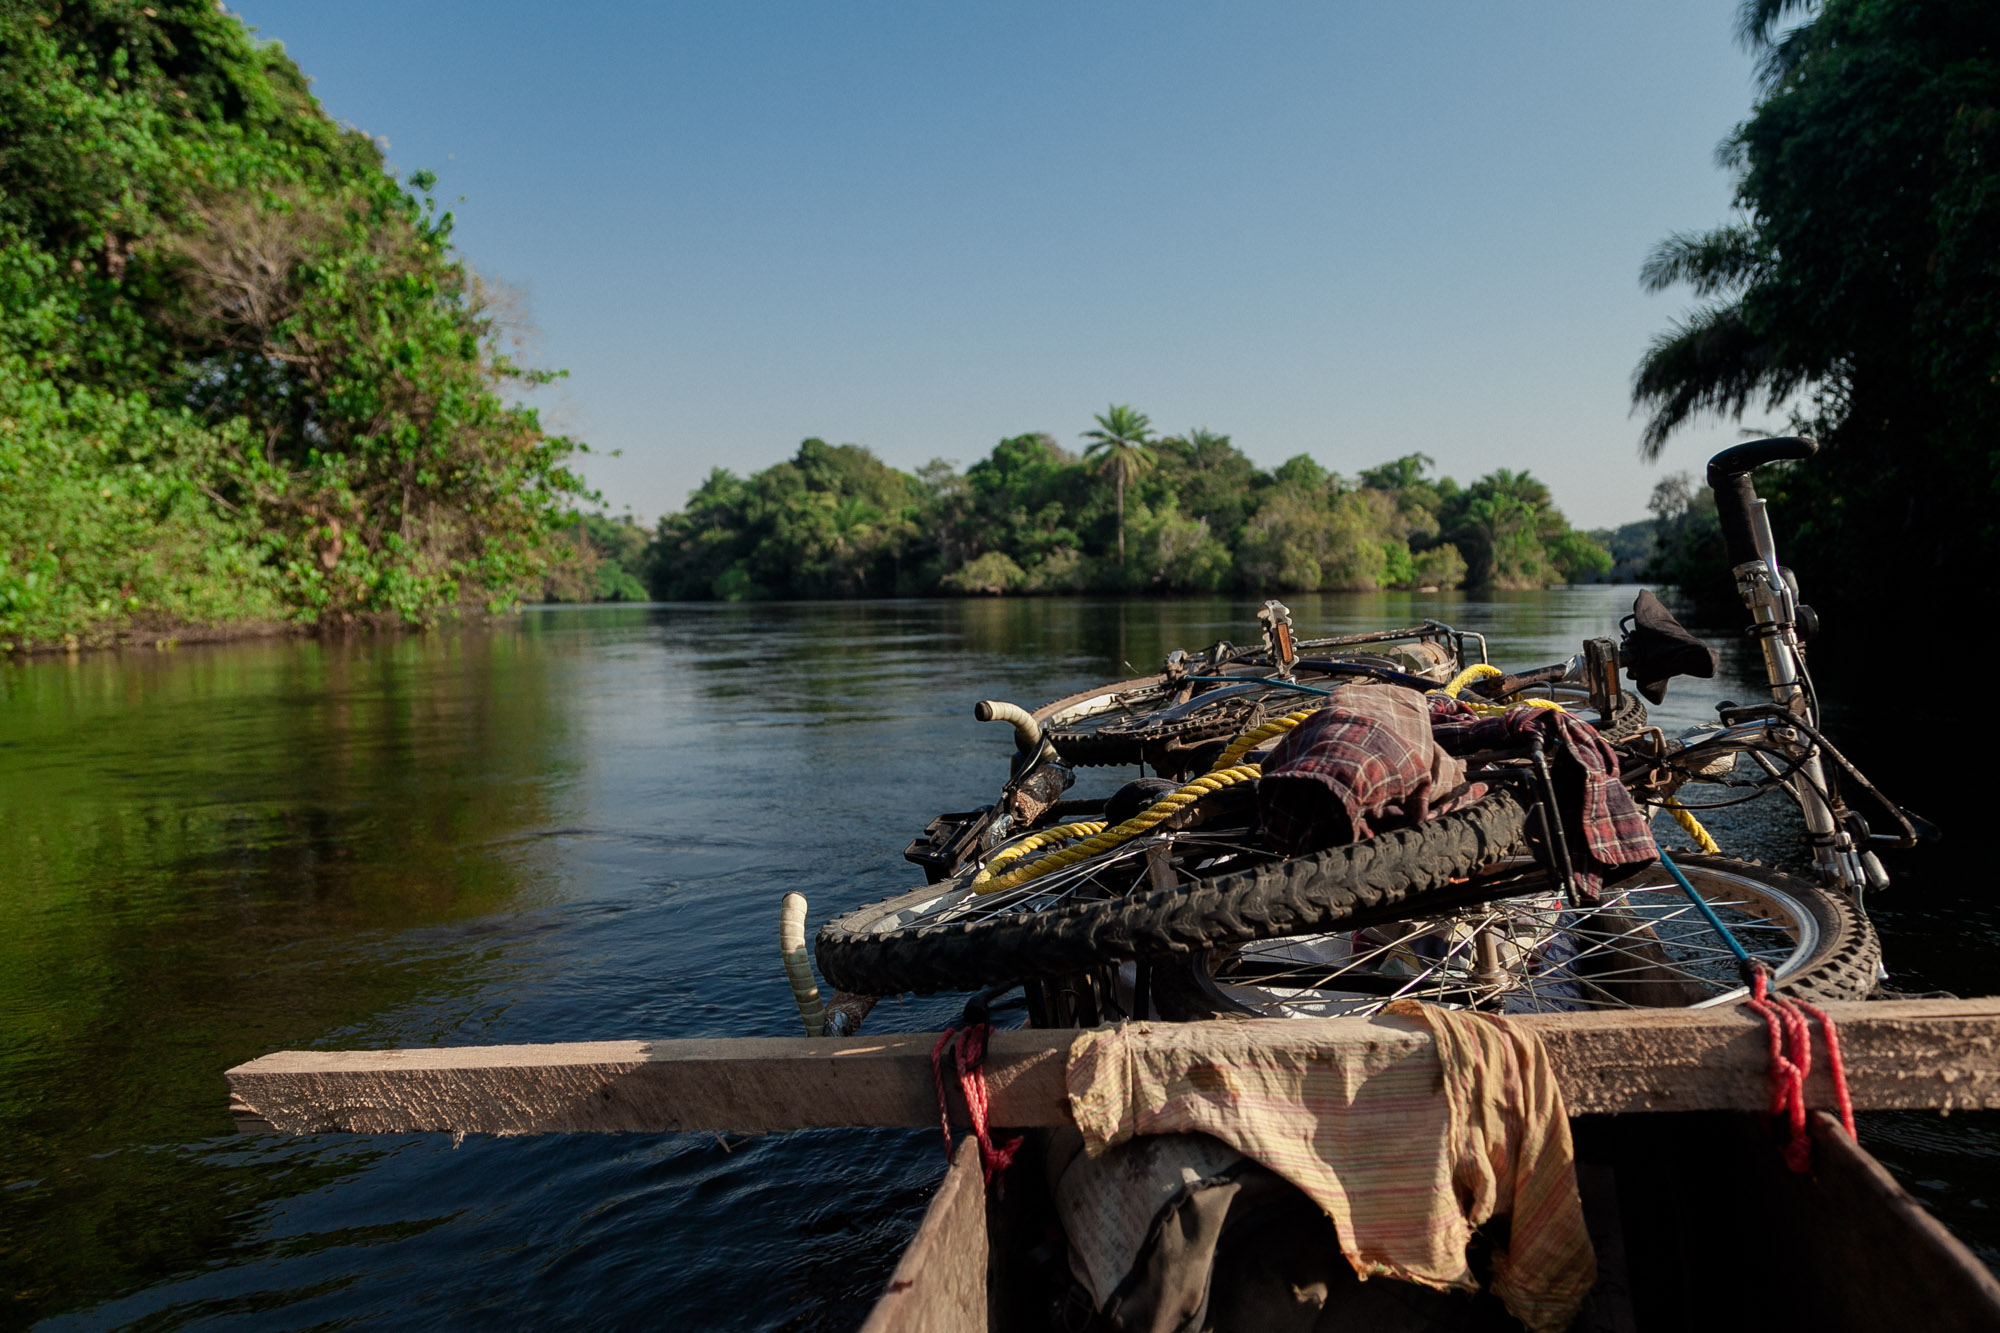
{"points": [[863, 953]]}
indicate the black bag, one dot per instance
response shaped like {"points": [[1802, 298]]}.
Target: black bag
{"points": [[1657, 648]]}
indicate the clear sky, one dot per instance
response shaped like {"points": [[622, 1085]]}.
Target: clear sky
{"points": [[1354, 230]]}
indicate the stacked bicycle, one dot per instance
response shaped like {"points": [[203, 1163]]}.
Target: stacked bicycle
{"points": [[1170, 897]]}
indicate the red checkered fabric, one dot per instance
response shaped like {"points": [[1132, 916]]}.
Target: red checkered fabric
{"points": [[1363, 764], [1603, 827], [1379, 757]]}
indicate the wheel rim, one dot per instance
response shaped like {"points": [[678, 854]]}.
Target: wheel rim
{"points": [[1645, 946]]}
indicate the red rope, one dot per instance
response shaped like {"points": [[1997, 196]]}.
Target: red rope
{"points": [[1834, 1066], [1791, 1063], [970, 1059]]}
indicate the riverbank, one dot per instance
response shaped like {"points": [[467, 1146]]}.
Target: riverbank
{"points": [[161, 638]]}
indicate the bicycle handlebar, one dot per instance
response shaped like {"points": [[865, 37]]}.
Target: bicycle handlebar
{"points": [[1729, 478]]}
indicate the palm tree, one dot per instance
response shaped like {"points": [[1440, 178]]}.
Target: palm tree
{"points": [[1120, 450], [856, 526]]}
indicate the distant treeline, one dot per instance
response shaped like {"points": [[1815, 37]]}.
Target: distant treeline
{"points": [[1135, 513]]}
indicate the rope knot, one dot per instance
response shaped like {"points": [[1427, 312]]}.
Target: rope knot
{"points": [[963, 1045], [1791, 1062]]}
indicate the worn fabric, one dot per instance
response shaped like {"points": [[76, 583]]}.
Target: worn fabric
{"points": [[1512, 1157], [1111, 1204], [1408, 1141], [1231, 1246], [1603, 826], [1364, 763]]}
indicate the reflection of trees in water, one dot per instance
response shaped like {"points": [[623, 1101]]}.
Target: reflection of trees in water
{"points": [[844, 662], [202, 855]]}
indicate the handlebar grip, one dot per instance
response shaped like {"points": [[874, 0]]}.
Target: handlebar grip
{"points": [[1729, 478]]}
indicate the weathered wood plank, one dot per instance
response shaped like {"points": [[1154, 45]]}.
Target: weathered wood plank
{"points": [[1940, 1054], [939, 1285], [742, 1085], [1899, 1055]]}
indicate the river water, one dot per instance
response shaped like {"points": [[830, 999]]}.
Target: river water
{"points": [[575, 824]]}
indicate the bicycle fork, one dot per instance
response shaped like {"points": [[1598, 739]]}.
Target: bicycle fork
{"points": [[1770, 592]]}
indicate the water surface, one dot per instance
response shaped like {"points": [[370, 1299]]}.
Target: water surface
{"points": [[571, 825]]}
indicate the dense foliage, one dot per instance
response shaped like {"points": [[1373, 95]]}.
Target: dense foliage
{"points": [[1137, 513], [242, 373], [1864, 274]]}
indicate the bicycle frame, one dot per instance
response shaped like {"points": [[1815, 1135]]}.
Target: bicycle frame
{"points": [[1770, 593]]}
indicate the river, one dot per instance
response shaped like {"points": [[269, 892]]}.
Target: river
{"points": [[573, 824]]}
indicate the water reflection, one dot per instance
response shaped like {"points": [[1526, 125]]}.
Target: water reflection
{"points": [[574, 825], [206, 856]]}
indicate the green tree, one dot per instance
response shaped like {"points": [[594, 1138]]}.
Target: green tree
{"points": [[185, 232], [832, 521], [1308, 540], [1398, 475], [606, 561], [1213, 479], [1120, 453], [1864, 272], [1511, 535]]}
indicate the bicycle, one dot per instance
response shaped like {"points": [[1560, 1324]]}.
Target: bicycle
{"points": [[1195, 913]]}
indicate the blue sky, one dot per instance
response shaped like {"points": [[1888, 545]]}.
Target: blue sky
{"points": [[1349, 230]]}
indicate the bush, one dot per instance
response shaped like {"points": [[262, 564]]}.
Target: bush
{"points": [[991, 574]]}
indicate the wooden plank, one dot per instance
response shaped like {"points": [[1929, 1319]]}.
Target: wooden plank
{"points": [[1899, 1055], [1938, 1054], [741, 1085], [1889, 1262], [939, 1285]]}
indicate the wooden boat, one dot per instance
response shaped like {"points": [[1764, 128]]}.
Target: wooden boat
{"points": [[1696, 1220]]}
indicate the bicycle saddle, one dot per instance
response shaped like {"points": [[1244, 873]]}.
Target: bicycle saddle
{"points": [[1658, 647]]}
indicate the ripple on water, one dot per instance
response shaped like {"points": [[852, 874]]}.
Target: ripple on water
{"points": [[574, 825]]}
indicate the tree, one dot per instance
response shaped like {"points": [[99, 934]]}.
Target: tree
{"points": [[186, 236], [836, 521], [1399, 475], [1215, 481], [1863, 272], [1120, 452]]}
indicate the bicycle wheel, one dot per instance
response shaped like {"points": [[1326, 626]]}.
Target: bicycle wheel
{"points": [[1136, 722], [1644, 946], [1157, 722], [1227, 888]]}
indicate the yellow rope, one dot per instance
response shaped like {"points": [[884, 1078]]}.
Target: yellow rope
{"points": [[1165, 807], [1685, 818], [1478, 671], [1225, 772], [1035, 842], [1256, 736]]}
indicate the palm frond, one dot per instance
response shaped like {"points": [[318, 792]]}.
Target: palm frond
{"points": [[1712, 262], [1712, 362], [1756, 19]]}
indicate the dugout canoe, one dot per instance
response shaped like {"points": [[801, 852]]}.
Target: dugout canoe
{"points": [[1697, 1223]]}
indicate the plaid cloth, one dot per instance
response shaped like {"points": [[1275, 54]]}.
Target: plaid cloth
{"points": [[1363, 764], [1602, 825]]}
